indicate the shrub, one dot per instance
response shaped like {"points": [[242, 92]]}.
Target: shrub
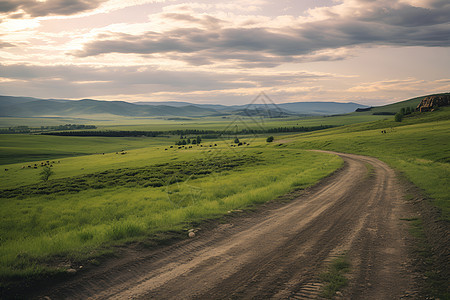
{"points": [[269, 139], [398, 117], [46, 173]]}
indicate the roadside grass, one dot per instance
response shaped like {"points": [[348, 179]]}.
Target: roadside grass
{"points": [[420, 151], [334, 278], [435, 284], [37, 230], [418, 147]]}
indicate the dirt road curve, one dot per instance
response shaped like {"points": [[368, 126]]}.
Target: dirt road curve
{"points": [[277, 252]]}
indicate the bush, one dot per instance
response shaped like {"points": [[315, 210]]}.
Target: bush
{"points": [[269, 139], [46, 173], [398, 117]]}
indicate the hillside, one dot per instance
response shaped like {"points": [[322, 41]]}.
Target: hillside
{"points": [[396, 107], [33, 107]]}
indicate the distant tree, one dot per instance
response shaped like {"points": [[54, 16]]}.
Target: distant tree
{"points": [[408, 110], [194, 141], [398, 117], [199, 139], [183, 142], [188, 140], [269, 139], [46, 173], [236, 140]]}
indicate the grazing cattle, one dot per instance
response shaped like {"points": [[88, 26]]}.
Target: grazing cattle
{"points": [[171, 147], [165, 149], [6, 169]]}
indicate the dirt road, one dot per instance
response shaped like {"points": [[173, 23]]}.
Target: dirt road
{"points": [[278, 251]]}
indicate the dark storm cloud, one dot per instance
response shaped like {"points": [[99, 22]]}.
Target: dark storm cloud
{"points": [[49, 7]]}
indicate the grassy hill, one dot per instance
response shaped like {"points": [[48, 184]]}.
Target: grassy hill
{"points": [[85, 107], [396, 107], [32, 107]]}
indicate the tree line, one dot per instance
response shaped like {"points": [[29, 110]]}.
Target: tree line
{"points": [[26, 129], [207, 134]]}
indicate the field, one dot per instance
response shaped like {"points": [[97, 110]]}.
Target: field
{"points": [[419, 147], [138, 194], [109, 191]]}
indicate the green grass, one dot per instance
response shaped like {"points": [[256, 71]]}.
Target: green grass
{"points": [[75, 224], [94, 201], [419, 147], [16, 148], [334, 278]]}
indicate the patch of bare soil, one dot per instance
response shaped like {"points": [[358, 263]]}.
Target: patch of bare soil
{"points": [[277, 251]]}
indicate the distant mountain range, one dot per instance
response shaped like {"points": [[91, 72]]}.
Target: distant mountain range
{"points": [[33, 107]]}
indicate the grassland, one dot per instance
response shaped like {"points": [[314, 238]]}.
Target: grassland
{"points": [[99, 197], [15, 148], [138, 195], [419, 147]]}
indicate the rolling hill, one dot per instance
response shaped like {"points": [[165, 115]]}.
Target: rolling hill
{"points": [[33, 107]]}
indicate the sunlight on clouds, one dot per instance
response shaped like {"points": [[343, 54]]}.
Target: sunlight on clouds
{"points": [[12, 25], [409, 84]]}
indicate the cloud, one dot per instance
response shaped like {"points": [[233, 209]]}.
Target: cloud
{"points": [[207, 39], [69, 81], [409, 84], [18, 9], [6, 45], [35, 8]]}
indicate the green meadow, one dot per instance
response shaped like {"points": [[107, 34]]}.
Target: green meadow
{"points": [[418, 147], [107, 191], [95, 201]]}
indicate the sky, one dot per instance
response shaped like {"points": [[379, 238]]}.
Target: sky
{"points": [[372, 52]]}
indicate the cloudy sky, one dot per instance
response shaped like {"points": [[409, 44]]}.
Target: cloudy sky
{"points": [[203, 51]]}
